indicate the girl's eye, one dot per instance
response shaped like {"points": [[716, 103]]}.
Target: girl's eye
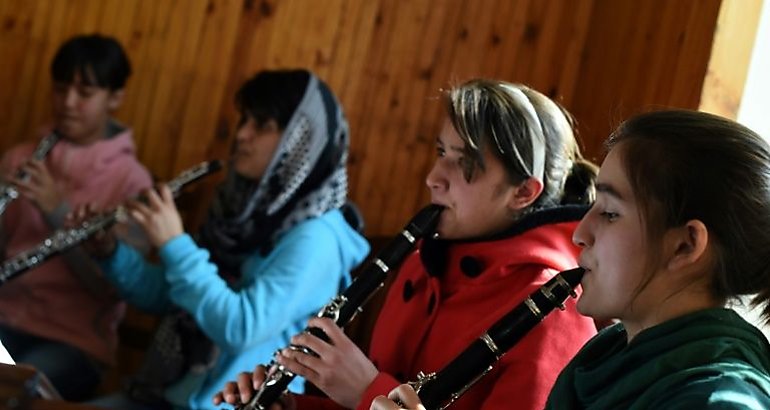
{"points": [[60, 89], [86, 92], [610, 216], [440, 151]]}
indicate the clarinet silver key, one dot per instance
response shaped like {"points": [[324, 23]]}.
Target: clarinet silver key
{"points": [[344, 307], [440, 389]]}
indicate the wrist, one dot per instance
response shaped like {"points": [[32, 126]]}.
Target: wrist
{"points": [[170, 243], [162, 242]]}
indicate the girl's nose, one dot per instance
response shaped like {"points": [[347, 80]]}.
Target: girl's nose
{"points": [[582, 237], [435, 179], [70, 97], [242, 133]]}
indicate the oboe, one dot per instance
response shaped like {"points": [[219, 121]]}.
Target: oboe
{"points": [[8, 192], [64, 239], [344, 307], [439, 390]]}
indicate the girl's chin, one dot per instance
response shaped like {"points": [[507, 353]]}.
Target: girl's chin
{"points": [[583, 307], [241, 167], [67, 131]]}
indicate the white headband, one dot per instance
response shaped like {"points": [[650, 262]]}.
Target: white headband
{"points": [[537, 138]]}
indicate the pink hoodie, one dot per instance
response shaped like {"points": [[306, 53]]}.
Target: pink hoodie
{"points": [[49, 300]]}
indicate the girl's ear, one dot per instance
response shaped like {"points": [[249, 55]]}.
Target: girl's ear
{"points": [[115, 99], [687, 246], [525, 194]]}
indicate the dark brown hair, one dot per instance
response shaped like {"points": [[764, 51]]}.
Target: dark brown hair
{"points": [[272, 95], [98, 60], [688, 165]]}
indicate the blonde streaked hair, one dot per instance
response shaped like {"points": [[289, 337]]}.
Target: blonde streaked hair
{"points": [[529, 133]]}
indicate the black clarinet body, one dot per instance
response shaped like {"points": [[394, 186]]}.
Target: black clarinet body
{"points": [[65, 239], [345, 306], [439, 390], [8, 192]]}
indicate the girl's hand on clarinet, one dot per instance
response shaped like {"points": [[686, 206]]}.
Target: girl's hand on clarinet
{"points": [[404, 395], [341, 370], [242, 390], [158, 217], [103, 243]]}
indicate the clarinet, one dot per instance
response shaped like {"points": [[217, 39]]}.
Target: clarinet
{"points": [[345, 306], [8, 192], [439, 390], [64, 239]]}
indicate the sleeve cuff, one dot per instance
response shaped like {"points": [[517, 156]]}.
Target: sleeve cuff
{"points": [[381, 385], [175, 248], [114, 266], [108, 263]]}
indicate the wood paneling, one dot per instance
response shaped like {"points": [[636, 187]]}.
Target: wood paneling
{"points": [[640, 55], [387, 60], [730, 56]]}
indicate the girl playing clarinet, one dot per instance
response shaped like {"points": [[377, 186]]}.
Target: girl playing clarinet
{"points": [[509, 173], [681, 226]]}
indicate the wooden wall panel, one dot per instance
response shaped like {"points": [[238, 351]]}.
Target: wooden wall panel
{"points": [[387, 60], [640, 56], [730, 57]]}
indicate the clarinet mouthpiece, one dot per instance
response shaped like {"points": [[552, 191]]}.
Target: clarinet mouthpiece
{"points": [[573, 277], [426, 219]]}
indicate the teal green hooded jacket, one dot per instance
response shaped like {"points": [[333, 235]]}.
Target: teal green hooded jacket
{"points": [[711, 359]]}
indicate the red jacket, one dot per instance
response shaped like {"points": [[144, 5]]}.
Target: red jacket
{"points": [[428, 320]]}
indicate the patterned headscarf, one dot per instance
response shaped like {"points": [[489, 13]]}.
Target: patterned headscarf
{"points": [[305, 178]]}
